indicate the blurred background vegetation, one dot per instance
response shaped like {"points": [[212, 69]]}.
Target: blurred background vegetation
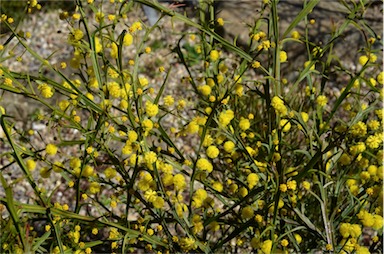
{"points": [[18, 9]]}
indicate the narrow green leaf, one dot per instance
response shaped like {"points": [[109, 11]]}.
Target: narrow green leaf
{"points": [[304, 12], [39, 241]]}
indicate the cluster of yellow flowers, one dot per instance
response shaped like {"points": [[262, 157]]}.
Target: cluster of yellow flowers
{"points": [[278, 105]]}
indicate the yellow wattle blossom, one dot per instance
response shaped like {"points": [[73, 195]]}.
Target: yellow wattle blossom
{"points": [[374, 141], [135, 27], [143, 81], [188, 244], [307, 63], [298, 238], [285, 124], [110, 173], [380, 78], [292, 185], [226, 117], [76, 35], [31, 164], [372, 58], [179, 182], [98, 45], [247, 212], [193, 127], [158, 202], [147, 125], [350, 230], [57, 166], [205, 89], [366, 218], [256, 64], [114, 89], [204, 164], [278, 105], [244, 124], [88, 171], [284, 242], [217, 186], [358, 148], [295, 34], [45, 172], [114, 50], [229, 146], [214, 55], [252, 180], [51, 149], [283, 187], [151, 109], [363, 60], [150, 195], [264, 45], [359, 129], [265, 247], [150, 157], [220, 21], [46, 90], [322, 100], [283, 56], [212, 152], [169, 100]]}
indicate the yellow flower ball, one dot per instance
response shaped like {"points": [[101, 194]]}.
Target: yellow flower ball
{"points": [[51, 149], [151, 109], [31, 165], [252, 180], [295, 35], [244, 124], [98, 45], [229, 146], [283, 56], [212, 152], [298, 238], [179, 182], [114, 50], [284, 242], [266, 247], [204, 164], [169, 100], [285, 124], [88, 171], [226, 117], [150, 157], [110, 173], [205, 90], [278, 105], [247, 212], [304, 116], [359, 129], [220, 21], [218, 186], [158, 202], [380, 78], [363, 60], [322, 100], [46, 90], [214, 55]]}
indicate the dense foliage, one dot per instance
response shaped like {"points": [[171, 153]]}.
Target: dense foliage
{"points": [[257, 160]]}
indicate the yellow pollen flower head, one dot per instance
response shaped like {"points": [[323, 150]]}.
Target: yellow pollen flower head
{"points": [[214, 55], [212, 152], [51, 149]]}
